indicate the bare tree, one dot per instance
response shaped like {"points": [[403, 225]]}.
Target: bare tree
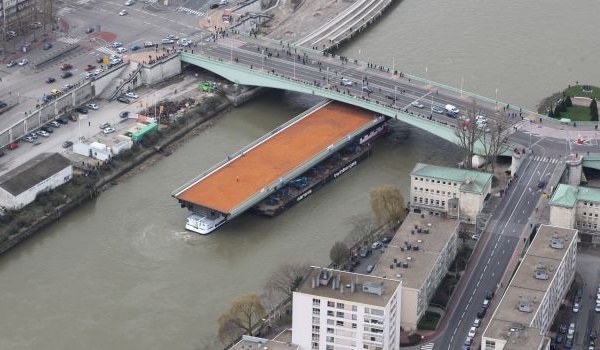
{"points": [[494, 140], [387, 204], [243, 315], [468, 133], [338, 253], [362, 227], [286, 279]]}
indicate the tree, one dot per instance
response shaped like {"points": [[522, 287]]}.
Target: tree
{"points": [[550, 113], [338, 253], [243, 315], [468, 134], [494, 140], [387, 204], [362, 227], [287, 278], [568, 101], [594, 110]]}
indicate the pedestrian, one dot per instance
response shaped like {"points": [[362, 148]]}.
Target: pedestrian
{"points": [[89, 123]]}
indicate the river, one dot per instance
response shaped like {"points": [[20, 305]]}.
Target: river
{"points": [[121, 273]]}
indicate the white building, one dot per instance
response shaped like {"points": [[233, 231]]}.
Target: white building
{"points": [[44, 172], [419, 255], [577, 207], [455, 192], [534, 294], [344, 310]]}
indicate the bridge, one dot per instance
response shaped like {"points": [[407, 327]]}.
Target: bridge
{"points": [[258, 62]]}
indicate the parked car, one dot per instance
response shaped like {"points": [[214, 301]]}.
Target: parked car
{"points": [[98, 71], [13, 146], [472, 331], [11, 63], [386, 240], [47, 46], [477, 323], [375, 245], [3, 104], [131, 95], [29, 139], [66, 75], [121, 50], [417, 104], [23, 62], [43, 133], [129, 2], [54, 124], [81, 110], [370, 268], [62, 120], [108, 130], [67, 144], [124, 114], [50, 80], [92, 106], [363, 253], [559, 339], [367, 89], [55, 92], [47, 129], [104, 125], [576, 307], [123, 99], [475, 237], [489, 295], [66, 66], [90, 67], [89, 30]]}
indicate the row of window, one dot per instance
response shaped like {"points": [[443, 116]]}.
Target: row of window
{"points": [[590, 204], [586, 225], [437, 181], [594, 215], [317, 302], [426, 190], [428, 201]]}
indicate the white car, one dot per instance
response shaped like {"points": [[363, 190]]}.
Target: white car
{"points": [[108, 130], [477, 323], [98, 71], [121, 50], [375, 245], [92, 106], [131, 95], [123, 13], [472, 331], [43, 133], [417, 104], [129, 2], [345, 82], [576, 307], [116, 44], [89, 75], [475, 237], [23, 62]]}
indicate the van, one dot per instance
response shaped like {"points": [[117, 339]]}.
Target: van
{"points": [[168, 41], [148, 44], [451, 108]]}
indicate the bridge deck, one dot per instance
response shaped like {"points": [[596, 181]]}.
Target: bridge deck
{"points": [[293, 146]]}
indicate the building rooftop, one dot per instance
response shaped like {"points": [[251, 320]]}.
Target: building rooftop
{"points": [[256, 343], [528, 287], [418, 262], [32, 172], [369, 290], [568, 195], [470, 180]]}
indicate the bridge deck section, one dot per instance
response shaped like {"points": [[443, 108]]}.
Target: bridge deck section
{"points": [[241, 178]]}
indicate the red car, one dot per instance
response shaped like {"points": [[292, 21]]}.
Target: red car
{"points": [[66, 66], [90, 67], [13, 146]]}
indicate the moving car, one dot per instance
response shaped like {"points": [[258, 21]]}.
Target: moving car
{"points": [[66, 66], [23, 62], [124, 114], [123, 13], [437, 109], [135, 47], [67, 144], [122, 99], [50, 80], [47, 46], [92, 106], [11, 63], [104, 125], [131, 95], [66, 75], [417, 104], [108, 130], [89, 67], [451, 108], [367, 89]]}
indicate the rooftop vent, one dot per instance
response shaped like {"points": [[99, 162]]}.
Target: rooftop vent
{"points": [[556, 242], [373, 288], [524, 306], [541, 272], [516, 327]]}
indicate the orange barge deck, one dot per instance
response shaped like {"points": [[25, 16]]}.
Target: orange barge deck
{"points": [[265, 165]]}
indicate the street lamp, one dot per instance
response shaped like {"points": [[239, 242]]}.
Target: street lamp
{"points": [[262, 60], [496, 98], [395, 92]]}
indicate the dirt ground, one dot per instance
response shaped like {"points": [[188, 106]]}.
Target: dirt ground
{"points": [[291, 24]]}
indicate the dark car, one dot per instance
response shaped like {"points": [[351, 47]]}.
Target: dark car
{"points": [[559, 339], [47, 129], [66, 66], [135, 47], [569, 344], [562, 328], [66, 75], [3, 104], [81, 110], [364, 253], [67, 144], [50, 80], [213, 5], [593, 335], [390, 96], [62, 120], [481, 313], [89, 30], [541, 184], [123, 99], [367, 89], [47, 46], [124, 114], [489, 295], [90, 67]]}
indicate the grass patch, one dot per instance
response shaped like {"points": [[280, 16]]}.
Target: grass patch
{"points": [[577, 113], [577, 91], [429, 321]]}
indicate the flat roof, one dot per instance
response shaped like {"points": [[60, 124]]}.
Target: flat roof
{"points": [[32, 172], [421, 261], [525, 288], [244, 176], [280, 342], [346, 278], [470, 180]]}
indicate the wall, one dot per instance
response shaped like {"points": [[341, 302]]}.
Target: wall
{"points": [[105, 80], [302, 320], [470, 205], [562, 217], [410, 297], [163, 69]]}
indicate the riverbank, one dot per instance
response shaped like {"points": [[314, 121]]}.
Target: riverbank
{"points": [[87, 186]]}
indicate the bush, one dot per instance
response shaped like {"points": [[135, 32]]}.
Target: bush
{"points": [[429, 321]]}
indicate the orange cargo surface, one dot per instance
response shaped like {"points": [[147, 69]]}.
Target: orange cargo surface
{"points": [[231, 185]]}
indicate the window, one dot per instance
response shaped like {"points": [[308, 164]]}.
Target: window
{"points": [[354, 326], [330, 322], [329, 313], [415, 199], [339, 323], [354, 308], [314, 345], [330, 304], [339, 314], [490, 345], [316, 302], [330, 330], [316, 311], [330, 339], [340, 305], [443, 203], [316, 329]]}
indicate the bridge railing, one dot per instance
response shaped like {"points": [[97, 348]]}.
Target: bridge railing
{"points": [[253, 144]]}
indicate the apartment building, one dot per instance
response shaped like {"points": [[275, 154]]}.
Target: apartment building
{"points": [[21, 21], [344, 310], [455, 192], [419, 255], [534, 294], [577, 207]]}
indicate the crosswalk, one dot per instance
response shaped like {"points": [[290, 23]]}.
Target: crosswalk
{"points": [[428, 346], [107, 50], [68, 40], [190, 11], [545, 160]]}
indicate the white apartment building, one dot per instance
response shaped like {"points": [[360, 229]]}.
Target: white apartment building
{"points": [[534, 294], [456, 192], [577, 207], [344, 310], [419, 255], [44, 172]]}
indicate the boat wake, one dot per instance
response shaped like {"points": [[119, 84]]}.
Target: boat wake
{"points": [[188, 237]]}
